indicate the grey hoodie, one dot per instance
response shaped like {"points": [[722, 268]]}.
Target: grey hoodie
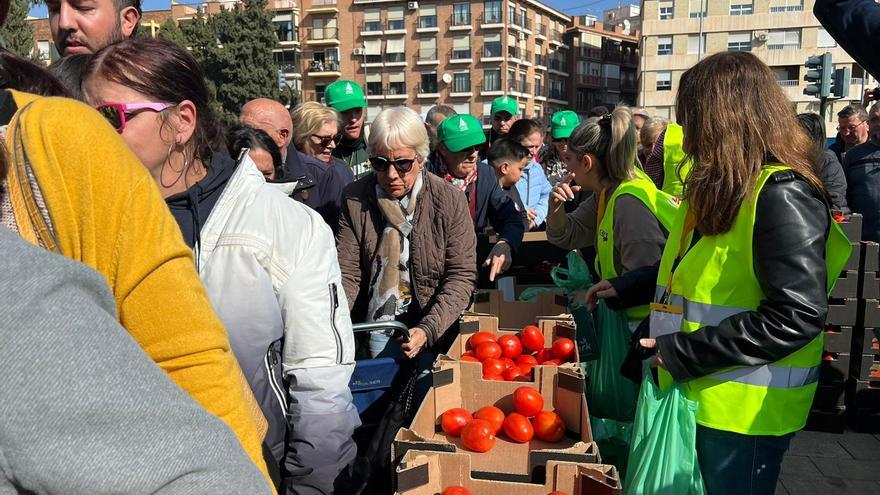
{"points": [[82, 409]]}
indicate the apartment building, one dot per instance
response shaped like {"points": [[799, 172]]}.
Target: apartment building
{"points": [[422, 53], [604, 59], [629, 17], [782, 33]]}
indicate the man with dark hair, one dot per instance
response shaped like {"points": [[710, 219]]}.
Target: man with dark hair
{"points": [[852, 126], [86, 26], [435, 116], [508, 158], [863, 185], [598, 111]]}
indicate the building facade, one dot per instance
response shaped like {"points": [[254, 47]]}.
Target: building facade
{"points": [[782, 33], [605, 62]]}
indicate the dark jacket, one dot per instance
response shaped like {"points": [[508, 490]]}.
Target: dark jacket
{"points": [[855, 25], [862, 169], [831, 172], [791, 229], [326, 196], [344, 172], [192, 207], [442, 252], [354, 155], [513, 193], [493, 207]]}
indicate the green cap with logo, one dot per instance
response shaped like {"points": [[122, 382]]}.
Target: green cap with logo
{"points": [[504, 104], [344, 95], [460, 131], [563, 123]]}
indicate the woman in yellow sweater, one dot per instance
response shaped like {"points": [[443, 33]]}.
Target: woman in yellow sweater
{"points": [[75, 188]]}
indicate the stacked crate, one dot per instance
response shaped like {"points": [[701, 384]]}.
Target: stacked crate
{"points": [[863, 391]]}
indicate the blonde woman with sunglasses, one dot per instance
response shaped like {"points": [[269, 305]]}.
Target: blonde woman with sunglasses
{"points": [[316, 133]]}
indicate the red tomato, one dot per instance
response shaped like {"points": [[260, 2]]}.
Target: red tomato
{"points": [[544, 355], [548, 426], [468, 353], [496, 378], [511, 347], [508, 363], [532, 339], [478, 338], [469, 359], [512, 374], [488, 350], [563, 349], [453, 420], [460, 490], [493, 415], [527, 401], [552, 362], [493, 367], [518, 428], [526, 359], [477, 436]]}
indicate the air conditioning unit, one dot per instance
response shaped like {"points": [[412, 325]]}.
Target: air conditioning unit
{"points": [[412, 5], [358, 51], [522, 36], [761, 35]]}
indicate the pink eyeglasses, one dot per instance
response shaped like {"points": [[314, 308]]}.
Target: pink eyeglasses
{"points": [[119, 113]]}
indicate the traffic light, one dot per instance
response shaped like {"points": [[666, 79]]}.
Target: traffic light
{"points": [[818, 75], [840, 82]]}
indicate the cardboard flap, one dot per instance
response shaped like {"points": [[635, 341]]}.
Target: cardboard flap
{"points": [[414, 474]]}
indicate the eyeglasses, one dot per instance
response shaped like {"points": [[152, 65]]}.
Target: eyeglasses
{"points": [[850, 128], [402, 165], [325, 141], [560, 140], [470, 150], [120, 113]]}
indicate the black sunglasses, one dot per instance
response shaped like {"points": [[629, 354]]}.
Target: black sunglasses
{"points": [[326, 140], [560, 140], [402, 165]]}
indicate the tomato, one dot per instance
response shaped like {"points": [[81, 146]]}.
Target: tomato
{"points": [[478, 338], [518, 428], [460, 490], [563, 349], [532, 339], [477, 436], [453, 420], [508, 363], [527, 401], [551, 362], [525, 373], [512, 374], [493, 367], [488, 350], [493, 415], [496, 378], [511, 347], [526, 359], [548, 426], [544, 355], [469, 359]]}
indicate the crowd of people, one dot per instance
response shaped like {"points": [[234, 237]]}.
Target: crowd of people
{"points": [[197, 285]]}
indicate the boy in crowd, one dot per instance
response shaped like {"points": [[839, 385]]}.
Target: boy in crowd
{"points": [[508, 158]]}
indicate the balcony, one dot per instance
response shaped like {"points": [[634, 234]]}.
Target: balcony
{"points": [[427, 56], [559, 66], [323, 7], [395, 59], [540, 61], [788, 83], [323, 68], [461, 89], [627, 84], [372, 28], [541, 31], [556, 37], [611, 84], [491, 20], [395, 26], [428, 24], [589, 53], [289, 68], [558, 95], [519, 22], [783, 46], [589, 80], [460, 22], [491, 53], [286, 34], [521, 87], [396, 91], [322, 36], [461, 56], [375, 91], [490, 88], [514, 54], [427, 90]]}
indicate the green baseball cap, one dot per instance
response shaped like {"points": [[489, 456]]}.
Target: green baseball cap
{"points": [[460, 131], [344, 95], [563, 123], [505, 104]]}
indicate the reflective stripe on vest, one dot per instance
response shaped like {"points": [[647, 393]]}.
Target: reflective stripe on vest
{"points": [[770, 376], [702, 313]]}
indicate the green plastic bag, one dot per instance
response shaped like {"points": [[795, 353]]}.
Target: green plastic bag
{"points": [[663, 454], [613, 439], [531, 294], [576, 278], [610, 394]]}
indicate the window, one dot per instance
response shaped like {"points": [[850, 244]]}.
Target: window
{"points": [[462, 108], [428, 49], [697, 9], [492, 80], [492, 45], [373, 51], [44, 50], [461, 14], [664, 45], [397, 83], [523, 20], [511, 14], [324, 28], [523, 82], [372, 21], [461, 47], [778, 6], [538, 85], [739, 42], [319, 92], [696, 44], [492, 12], [784, 40], [284, 30], [741, 8], [512, 50], [825, 39], [461, 82], [395, 19], [395, 50], [427, 16], [373, 111], [428, 82], [666, 10], [664, 81], [374, 84]]}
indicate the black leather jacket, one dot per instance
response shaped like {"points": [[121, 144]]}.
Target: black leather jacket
{"points": [[791, 228]]}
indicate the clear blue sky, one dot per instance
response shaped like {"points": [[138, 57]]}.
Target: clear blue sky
{"points": [[570, 7]]}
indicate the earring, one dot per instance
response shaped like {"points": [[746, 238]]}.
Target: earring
{"points": [[167, 161]]}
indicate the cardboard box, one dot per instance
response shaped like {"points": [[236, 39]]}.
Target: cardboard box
{"points": [[462, 386], [847, 285], [838, 339], [553, 327], [517, 314], [429, 473], [844, 312]]}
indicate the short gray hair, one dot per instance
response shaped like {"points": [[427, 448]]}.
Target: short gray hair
{"points": [[399, 127]]}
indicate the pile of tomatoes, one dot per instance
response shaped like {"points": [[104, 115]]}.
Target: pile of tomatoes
{"points": [[512, 357], [528, 420], [460, 490]]}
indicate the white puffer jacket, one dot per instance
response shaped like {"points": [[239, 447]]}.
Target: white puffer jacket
{"points": [[270, 268]]}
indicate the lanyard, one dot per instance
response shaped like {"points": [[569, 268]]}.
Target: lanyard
{"points": [[690, 223]]}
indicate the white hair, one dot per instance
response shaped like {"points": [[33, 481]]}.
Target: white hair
{"points": [[399, 127]]}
